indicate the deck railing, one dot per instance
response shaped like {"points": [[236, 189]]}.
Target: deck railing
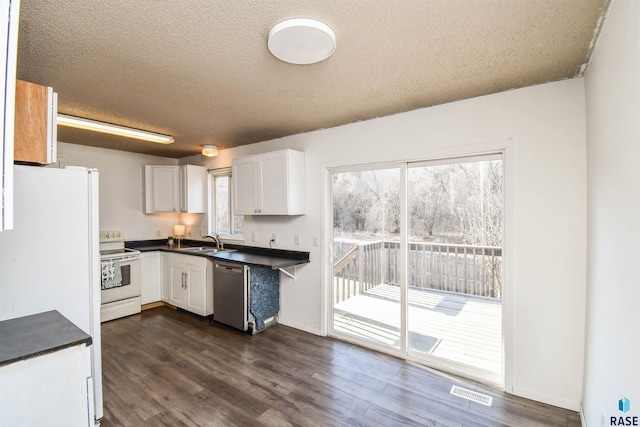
{"points": [[465, 269]]}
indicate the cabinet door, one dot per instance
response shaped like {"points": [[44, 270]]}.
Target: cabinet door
{"points": [[269, 184], [47, 390], [151, 281], [178, 282], [161, 187], [196, 287], [272, 183], [165, 293], [35, 127], [244, 186], [193, 184], [184, 189]]}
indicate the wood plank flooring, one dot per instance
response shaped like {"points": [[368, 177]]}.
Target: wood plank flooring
{"points": [[169, 368]]}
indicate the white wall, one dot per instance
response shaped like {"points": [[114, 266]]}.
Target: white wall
{"points": [[547, 211], [612, 365], [122, 189]]}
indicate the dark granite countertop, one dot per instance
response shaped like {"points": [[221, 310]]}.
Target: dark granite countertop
{"points": [[275, 262], [273, 258], [38, 334]]}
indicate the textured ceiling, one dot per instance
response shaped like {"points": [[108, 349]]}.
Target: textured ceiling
{"points": [[200, 70]]}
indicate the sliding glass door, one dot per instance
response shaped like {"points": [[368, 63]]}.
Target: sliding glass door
{"points": [[366, 220], [417, 261]]}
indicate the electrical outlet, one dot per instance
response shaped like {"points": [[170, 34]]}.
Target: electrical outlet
{"points": [[253, 236], [274, 238], [316, 241], [296, 239], [158, 233]]}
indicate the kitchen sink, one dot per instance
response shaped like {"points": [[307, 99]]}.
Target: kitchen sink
{"points": [[203, 249]]}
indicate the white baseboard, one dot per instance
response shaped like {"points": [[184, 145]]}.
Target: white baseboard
{"points": [[548, 399], [300, 326]]}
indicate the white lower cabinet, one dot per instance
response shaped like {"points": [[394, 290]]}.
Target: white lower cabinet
{"points": [[165, 266], [188, 282], [49, 390], [151, 289]]}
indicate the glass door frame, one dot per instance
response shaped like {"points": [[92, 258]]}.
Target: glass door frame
{"points": [[505, 151], [402, 350]]}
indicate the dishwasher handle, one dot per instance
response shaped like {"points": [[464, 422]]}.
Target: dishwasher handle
{"points": [[229, 268]]}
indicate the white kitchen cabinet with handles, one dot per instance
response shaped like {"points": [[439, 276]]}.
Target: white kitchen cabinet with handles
{"points": [[269, 183], [175, 188], [189, 283]]}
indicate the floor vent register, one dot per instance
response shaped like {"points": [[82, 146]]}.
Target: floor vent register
{"points": [[471, 395]]}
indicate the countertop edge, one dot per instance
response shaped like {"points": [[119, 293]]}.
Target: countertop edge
{"points": [[17, 335], [277, 258]]}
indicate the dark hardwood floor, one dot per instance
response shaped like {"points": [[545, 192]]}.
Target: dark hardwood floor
{"points": [[169, 368]]}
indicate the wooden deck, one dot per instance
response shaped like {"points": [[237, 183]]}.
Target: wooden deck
{"points": [[457, 327]]}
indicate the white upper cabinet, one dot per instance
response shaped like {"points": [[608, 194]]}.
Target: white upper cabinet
{"points": [[161, 188], [9, 19], [175, 188], [193, 186], [244, 186], [269, 184]]}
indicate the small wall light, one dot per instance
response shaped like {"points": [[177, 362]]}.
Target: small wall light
{"points": [[209, 150]]}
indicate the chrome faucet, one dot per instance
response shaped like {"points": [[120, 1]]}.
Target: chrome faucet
{"points": [[215, 238]]}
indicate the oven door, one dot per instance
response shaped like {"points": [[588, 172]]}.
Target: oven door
{"points": [[129, 287]]}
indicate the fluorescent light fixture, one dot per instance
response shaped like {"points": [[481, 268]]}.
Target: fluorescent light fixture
{"points": [[301, 41], [92, 125], [209, 150]]}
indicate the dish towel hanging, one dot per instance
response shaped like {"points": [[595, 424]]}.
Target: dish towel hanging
{"points": [[111, 275]]}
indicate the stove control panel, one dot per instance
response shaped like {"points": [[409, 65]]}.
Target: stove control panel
{"points": [[111, 236]]}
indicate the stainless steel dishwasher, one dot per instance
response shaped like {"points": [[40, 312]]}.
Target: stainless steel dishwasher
{"points": [[230, 294]]}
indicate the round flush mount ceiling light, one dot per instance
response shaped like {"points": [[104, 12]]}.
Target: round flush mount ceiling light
{"points": [[301, 41], [209, 150]]}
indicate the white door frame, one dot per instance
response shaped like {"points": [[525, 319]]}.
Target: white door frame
{"points": [[506, 147]]}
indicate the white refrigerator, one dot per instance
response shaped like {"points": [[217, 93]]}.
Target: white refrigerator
{"points": [[51, 259]]}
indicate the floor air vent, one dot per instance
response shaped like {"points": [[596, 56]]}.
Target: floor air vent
{"points": [[473, 396]]}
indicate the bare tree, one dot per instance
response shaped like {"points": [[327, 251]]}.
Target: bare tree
{"points": [[451, 203]]}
